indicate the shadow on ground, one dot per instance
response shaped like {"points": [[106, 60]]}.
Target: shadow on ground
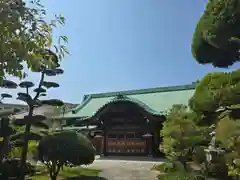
{"points": [[85, 178], [132, 158]]}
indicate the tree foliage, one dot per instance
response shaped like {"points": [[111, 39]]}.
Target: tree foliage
{"points": [[216, 37], [181, 135], [64, 148], [26, 37], [5, 129], [15, 151], [216, 90], [185, 140], [217, 101], [9, 167], [228, 133]]}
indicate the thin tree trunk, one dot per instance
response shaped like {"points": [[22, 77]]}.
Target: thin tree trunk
{"points": [[4, 149], [53, 174], [54, 177], [5, 143], [54, 170], [25, 149], [24, 153]]}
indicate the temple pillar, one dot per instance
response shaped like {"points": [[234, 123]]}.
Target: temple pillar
{"points": [[104, 142], [98, 142], [149, 143]]}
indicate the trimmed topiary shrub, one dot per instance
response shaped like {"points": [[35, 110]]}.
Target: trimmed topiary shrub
{"points": [[63, 149]]}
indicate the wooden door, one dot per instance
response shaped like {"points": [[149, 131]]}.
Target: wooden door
{"points": [[125, 143]]}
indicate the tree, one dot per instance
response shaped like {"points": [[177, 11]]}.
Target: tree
{"points": [[217, 101], [216, 93], [8, 167], [22, 138], [5, 129], [181, 135], [26, 37], [15, 151], [216, 37], [228, 133], [64, 148]]}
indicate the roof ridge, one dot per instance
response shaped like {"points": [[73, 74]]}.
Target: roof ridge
{"points": [[145, 90]]}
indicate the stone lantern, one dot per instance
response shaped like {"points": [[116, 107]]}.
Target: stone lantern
{"points": [[212, 152]]}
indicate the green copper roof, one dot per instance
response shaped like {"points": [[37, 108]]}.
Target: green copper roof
{"points": [[153, 100]]}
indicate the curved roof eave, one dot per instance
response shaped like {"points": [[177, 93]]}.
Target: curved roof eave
{"points": [[123, 98]]}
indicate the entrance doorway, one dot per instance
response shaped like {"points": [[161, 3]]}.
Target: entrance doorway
{"points": [[125, 142]]}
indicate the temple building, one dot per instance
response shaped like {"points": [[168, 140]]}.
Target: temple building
{"points": [[127, 122]]}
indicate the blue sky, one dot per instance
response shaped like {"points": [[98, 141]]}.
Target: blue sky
{"points": [[126, 44]]}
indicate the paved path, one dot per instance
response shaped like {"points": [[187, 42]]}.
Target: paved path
{"points": [[114, 169]]}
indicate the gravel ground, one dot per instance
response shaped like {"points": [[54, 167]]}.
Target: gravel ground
{"points": [[133, 169]]}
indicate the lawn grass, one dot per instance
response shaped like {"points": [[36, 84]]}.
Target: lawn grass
{"points": [[67, 172]]}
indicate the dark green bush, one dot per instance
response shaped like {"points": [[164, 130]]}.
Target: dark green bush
{"points": [[218, 169], [10, 168], [181, 135], [66, 148], [199, 155]]}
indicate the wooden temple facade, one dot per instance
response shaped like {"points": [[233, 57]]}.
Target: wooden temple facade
{"points": [[127, 122], [125, 128]]}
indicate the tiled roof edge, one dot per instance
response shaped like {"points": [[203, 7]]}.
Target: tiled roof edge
{"points": [[145, 91]]}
